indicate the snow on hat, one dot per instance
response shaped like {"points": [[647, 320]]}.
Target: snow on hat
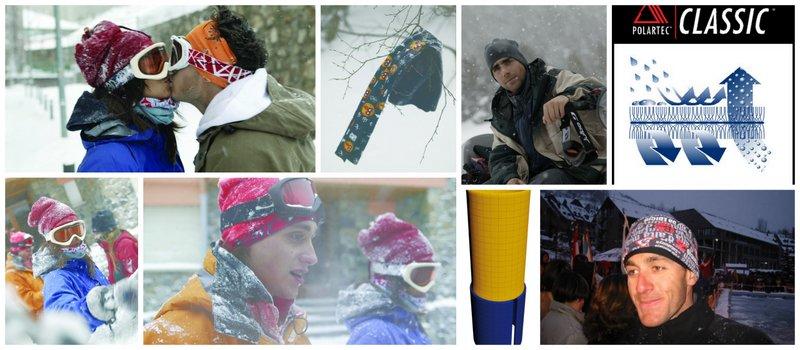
{"points": [[19, 241], [105, 51], [47, 214], [103, 221], [394, 241], [664, 236], [235, 191], [502, 48]]}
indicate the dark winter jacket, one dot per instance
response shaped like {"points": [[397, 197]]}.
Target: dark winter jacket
{"points": [[112, 146], [66, 288], [373, 318], [122, 256], [699, 325], [279, 138], [510, 158]]}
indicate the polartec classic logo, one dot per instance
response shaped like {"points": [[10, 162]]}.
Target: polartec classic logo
{"points": [[722, 109], [653, 20]]}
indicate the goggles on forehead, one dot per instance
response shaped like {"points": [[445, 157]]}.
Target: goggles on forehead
{"points": [[64, 234], [289, 198], [418, 275], [184, 55]]}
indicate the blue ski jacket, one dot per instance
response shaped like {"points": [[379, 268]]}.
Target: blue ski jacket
{"points": [[66, 289]]}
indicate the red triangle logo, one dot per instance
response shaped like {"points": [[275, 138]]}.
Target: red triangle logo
{"points": [[653, 15]]}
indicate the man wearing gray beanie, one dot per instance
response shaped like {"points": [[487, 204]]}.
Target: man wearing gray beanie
{"points": [[526, 116], [660, 259]]}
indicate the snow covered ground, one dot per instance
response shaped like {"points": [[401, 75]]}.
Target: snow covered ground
{"points": [[398, 141], [34, 142], [771, 314]]}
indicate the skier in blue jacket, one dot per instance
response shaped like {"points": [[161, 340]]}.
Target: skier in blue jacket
{"points": [[72, 282], [126, 122], [402, 268]]}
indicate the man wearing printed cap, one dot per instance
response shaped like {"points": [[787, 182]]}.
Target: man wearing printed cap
{"points": [[245, 292], [250, 123], [660, 259], [526, 116]]}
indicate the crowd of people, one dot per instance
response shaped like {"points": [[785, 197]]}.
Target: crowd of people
{"points": [[662, 297]]}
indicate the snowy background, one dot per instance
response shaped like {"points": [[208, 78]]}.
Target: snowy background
{"points": [[566, 37], [400, 136]]}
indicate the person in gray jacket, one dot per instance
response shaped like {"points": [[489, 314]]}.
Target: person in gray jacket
{"points": [[564, 323]]}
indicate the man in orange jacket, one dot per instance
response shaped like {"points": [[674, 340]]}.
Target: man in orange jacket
{"points": [[250, 278], [19, 274]]}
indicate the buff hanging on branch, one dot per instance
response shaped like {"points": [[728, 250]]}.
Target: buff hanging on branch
{"points": [[410, 74]]}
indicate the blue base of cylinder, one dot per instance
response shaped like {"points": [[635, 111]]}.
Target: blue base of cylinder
{"points": [[492, 320]]}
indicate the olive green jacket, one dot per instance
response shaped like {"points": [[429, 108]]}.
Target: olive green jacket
{"points": [[278, 139]]}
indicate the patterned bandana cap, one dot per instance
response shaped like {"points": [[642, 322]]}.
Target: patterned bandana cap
{"points": [[410, 74], [212, 56], [665, 236]]}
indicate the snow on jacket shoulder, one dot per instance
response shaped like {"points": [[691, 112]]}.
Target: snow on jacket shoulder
{"points": [[112, 146], [279, 138], [187, 318], [66, 289]]}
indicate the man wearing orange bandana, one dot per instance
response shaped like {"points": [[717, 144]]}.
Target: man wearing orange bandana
{"points": [[250, 123]]}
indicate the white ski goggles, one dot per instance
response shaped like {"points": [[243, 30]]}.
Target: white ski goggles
{"points": [[418, 275], [64, 234], [152, 63], [184, 55]]}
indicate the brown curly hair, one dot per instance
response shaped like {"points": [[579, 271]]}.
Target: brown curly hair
{"points": [[611, 313]]}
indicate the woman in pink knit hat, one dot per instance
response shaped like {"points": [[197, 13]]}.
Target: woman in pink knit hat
{"points": [[72, 282], [126, 122], [402, 269], [251, 276]]}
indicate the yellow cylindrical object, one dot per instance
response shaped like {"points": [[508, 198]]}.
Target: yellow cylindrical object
{"points": [[498, 233]]}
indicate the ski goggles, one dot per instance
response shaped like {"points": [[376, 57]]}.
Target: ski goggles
{"points": [[576, 153], [289, 199], [184, 55], [418, 275], [151, 63], [64, 234]]}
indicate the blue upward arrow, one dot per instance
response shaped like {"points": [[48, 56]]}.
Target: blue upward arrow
{"points": [[740, 95]]}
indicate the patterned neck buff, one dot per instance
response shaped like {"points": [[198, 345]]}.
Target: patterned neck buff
{"points": [[410, 74], [158, 111], [75, 252]]}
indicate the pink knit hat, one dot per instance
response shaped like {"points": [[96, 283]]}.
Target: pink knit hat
{"points": [[47, 214], [394, 241], [235, 191]]}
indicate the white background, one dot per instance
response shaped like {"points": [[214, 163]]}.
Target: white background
{"points": [[701, 66]]}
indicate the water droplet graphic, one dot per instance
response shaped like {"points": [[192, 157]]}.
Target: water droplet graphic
{"points": [[769, 152], [637, 77], [758, 167], [634, 61], [655, 79], [647, 87], [763, 148], [764, 159], [668, 90], [654, 61], [646, 67], [666, 75]]}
